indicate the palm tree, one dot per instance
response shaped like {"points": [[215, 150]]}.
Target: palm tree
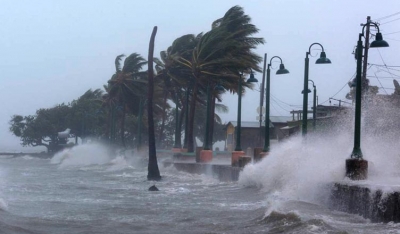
{"points": [[126, 85], [153, 171], [174, 79], [222, 53]]}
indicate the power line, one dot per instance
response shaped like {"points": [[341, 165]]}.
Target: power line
{"points": [[284, 102], [388, 16], [381, 65], [392, 33], [392, 74], [273, 99], [273, 106], [352, 77], [380, 83], [391, 39], [385, 67], [390, 21], [384, 77], [385, 64]]}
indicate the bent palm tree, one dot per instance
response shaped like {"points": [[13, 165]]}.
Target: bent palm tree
{"points": [[126, 85], [221, 54], [153, 171]]}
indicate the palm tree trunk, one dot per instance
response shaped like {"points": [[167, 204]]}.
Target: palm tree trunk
{"points": [[108, 125], [185, 144], [140, 123], [181, 117], [212, 121], [153, 171], [123, 126], [191, 118], [161, 132]]}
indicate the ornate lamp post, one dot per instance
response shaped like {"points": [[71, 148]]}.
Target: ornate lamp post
{"points": [[281, 71], [322, 60], [356, 166], [238, 148]]}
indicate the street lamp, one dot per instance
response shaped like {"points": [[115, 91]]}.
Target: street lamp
{"points": [[356, 166], [281, 71], [238, 148], [322, 60]]}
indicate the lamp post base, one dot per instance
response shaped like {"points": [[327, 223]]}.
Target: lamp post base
{"points": [[260, 156], [356, 169], [184, 150], [256, 154], [176, 150], [244, 160], [235, 157], [206, 156]]}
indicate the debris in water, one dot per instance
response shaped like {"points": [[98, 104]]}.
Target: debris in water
{"points": [[153, 188]]}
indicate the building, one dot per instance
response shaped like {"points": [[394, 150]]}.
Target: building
{"points": [[252, 135]]}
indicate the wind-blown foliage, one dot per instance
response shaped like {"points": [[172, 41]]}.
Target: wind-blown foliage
{"points": [[220, 55], [126, 88]]}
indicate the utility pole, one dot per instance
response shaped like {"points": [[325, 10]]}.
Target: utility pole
{"points": [[365, 61], [262, 89]]}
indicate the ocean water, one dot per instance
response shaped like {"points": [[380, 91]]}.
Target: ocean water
{"points": [[86, 190]]}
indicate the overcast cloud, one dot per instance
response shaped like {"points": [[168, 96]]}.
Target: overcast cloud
{"points": [[53, 51]]}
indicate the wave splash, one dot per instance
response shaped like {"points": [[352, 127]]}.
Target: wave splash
{"points": [[82, 155], [305, 169]]}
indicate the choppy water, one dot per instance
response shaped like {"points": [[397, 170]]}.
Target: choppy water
{"points": [[86, 191]]}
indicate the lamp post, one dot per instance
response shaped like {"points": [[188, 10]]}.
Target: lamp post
{"points": [[206, 153], [314, 113], [356, 166], [238, 148], [281, 71], [322, 60]]}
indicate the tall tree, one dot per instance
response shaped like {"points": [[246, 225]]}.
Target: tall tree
{"points": [[222, 53], [126, 86], [153, 171]]}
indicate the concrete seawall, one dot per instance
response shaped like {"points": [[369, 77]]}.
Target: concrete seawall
{"points": [[221, 172], [376, 205], [371, 202]]}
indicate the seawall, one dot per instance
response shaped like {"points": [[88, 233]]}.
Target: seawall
{"points": [[373, 204], [218, 171]]}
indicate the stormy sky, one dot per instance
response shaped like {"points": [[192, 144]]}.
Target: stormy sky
{"points": [[53, 51]]}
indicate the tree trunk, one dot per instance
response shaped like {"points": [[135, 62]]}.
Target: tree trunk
{"points": [[185, 144], [191, 118], [153, 171], [161, 132], [181, 117], [123, 126], [212, 120]]}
